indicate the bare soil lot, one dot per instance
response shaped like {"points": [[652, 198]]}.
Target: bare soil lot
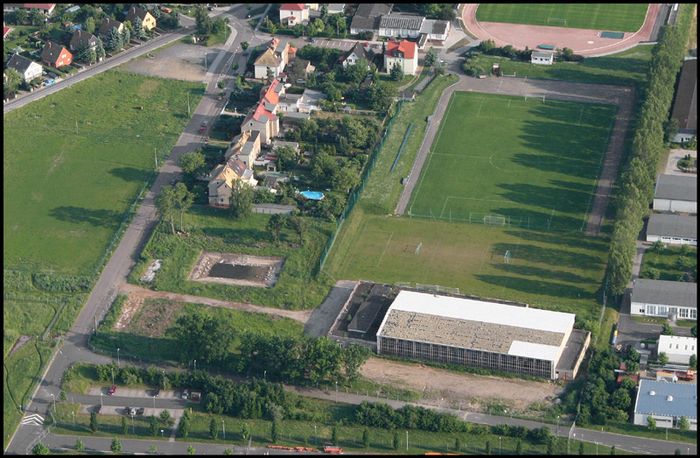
{"points": [[237, 269], [451, 389], [180, 61]]}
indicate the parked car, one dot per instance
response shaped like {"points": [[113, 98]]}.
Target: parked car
{"points": [[112, 389], [203, 127], [130, 411], [140, 411], [97, 408], [185, 394]]}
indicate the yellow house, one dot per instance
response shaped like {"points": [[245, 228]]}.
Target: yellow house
{"points": [[147, 20]]}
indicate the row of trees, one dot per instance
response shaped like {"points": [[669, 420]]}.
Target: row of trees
{"points": [[327, 25], [207, 26], [637, 182]]}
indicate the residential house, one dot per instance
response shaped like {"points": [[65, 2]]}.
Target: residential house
{"points": [[81, 40], [107, 25], [676, 193], [44, 8], [663, 298], [368, 16], [29, 70], [6, 32], [336, 8], [685, 104], [264, 121], [55, 55], [275, 58], [292, 14], [139, 14], [542, 57], [673, 229], [298, 70], [355, 53], [666, 403], [677, 348], [404, 54], [435, 30], [223, 178], [250, 150]]}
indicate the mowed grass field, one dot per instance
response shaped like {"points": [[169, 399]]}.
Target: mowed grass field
{"points": [[556, 270], [618, 17], [536, 163], [73, 164]]}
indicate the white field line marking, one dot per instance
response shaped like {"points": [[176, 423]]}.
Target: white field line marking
{"points": [[386, 245]]}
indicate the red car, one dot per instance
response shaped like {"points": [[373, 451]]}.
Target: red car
{"points": [[203, 127], [112, 389]]}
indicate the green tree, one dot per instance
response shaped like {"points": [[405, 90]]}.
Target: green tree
{"points": [[651, 422], [683, 424], [166, 203], [90, 25], [651, 273], [79, 445], [621, 399], [430, 58], [671, 127], [396, 72], [519, 447], [184, 200], [36, 17], [165, 417], [153, 425], [666, 329], [396, 440], [581, 451], [663, 358], [299, 226], [245, 432], [153, 449], [116, 446], [334, 435], [693, 362], [40, 449], [365, 438], [190, 450], [487, 448], [381, 95], [354, 356], [274, 431], [275, 225], [677, 451], [241, 200], [213, 429], [203, 21], [99, 50], [203, 337], [125, 426], [139, 31], [550, 447], [184, 427], [228, 451], [12, 81], [114, 40], [20, 16], [458, 445], [93, 422], [126, 36], [244, 45], [287, 158], [612, 450]]}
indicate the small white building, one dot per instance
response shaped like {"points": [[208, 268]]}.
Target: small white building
{"points": [[673, 229], [663, 298], [404, 54], [542, 57], [666, 403], [293, 13], [676, 193], [677, 348], [28, 69]]}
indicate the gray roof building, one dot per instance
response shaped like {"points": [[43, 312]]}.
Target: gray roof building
{"points": [[19, 63], [81, 40], [676, 187], [673, 293], [685, 104], [667, 225], [667, 399], [401, 21], [368, 15], [434, 27]]}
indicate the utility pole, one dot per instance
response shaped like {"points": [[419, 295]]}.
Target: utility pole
{"points": [[406, 440]]}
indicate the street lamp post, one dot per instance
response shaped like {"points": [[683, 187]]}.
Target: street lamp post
{"points": [[406, 440], [195, 364], [133, 430], [161, 433], [265, 375], [336, 391], [154, 405], [596, 447], [500, 447], [223, 426], [315, 435], [54, 401], [557, 425], [118, 365], [112, 375]]}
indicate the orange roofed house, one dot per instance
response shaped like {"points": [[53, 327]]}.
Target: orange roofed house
{"points": [[402, 53], [55, 55], [263, 118]]}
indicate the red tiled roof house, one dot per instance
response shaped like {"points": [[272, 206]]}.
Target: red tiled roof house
{"points": [[55, 55], [293, 13], [402, 53]]}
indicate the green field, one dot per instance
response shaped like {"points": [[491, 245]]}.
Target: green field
{"points": [[671, 263], [74, 163], [534, 163], [623, 17]]}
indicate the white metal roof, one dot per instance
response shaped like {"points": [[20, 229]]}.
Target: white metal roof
{"points": [[488, 312], [678, 345], [533, 350]]}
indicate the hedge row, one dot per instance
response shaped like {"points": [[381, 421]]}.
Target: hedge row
{"points": [[637, 182], [61, 283]]}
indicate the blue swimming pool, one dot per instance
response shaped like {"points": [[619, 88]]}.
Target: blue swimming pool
{"points": [[312, 195]]}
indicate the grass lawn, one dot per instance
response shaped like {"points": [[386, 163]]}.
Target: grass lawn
{"points": [[671, 263], [535, 163], [215, 230], [149, 335], [65, 202], [561, 271], [623, 17], [624, 68]]}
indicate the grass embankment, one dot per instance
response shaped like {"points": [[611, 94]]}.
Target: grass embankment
{"points": [[627, 68], [215, 230], [66, 202], [624, 17], [561, 271]]}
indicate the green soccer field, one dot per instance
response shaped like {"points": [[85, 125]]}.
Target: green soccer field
{"points": [[507, 160], [620, 17]]}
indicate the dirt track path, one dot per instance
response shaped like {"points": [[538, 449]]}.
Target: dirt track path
{"points": [[582, 41], [137, 292]]}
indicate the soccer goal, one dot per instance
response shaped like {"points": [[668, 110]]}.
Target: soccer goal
{"points": [[496, 220], [556, 21]]}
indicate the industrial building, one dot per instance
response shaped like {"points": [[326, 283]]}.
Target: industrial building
{"points": [[678, 349], [676, 194], [673, 229], [482, 334], [664, 299], [666, 403]]}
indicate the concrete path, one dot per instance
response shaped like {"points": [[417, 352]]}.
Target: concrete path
{"points": [[672, 163], [324, 316]]}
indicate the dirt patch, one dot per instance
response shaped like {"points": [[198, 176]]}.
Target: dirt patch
{"points": [[147, 88], [131, 305], [19, 344], [451, 389], [179, 61], [237, 269], [155, 317]]}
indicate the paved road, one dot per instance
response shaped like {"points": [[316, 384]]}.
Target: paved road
{"points": [[105, 65], [74, 346]]}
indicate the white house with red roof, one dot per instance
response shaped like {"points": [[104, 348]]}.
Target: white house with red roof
{"points": [[402, 53], [6, 31], [263, 119], [293, 13]]}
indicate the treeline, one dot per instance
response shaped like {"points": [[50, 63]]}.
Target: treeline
{"points": [[489, 48], [380, 415], [637, 181], [303, 361]]}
